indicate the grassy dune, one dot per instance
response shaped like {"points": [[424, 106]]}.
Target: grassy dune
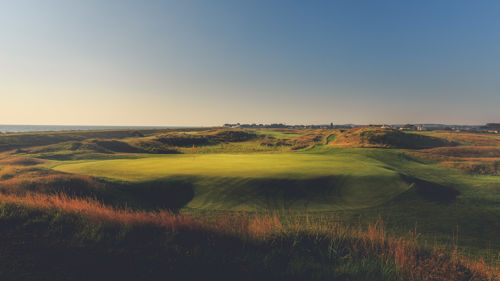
{"points": [[22, 140]]}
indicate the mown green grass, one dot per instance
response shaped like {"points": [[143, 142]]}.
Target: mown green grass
{"points": [[320, 179], [300, 181], [295, 165]]}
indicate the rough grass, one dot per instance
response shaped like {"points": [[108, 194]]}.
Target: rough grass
{"points": [[153, 195], [20, 161], [469, 159], [22, 179], [465, 138], [243, 246], [461, 152], [475, 166], [387, 138]]}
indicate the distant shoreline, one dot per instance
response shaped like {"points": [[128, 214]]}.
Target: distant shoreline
{"points": [[46, 128]]}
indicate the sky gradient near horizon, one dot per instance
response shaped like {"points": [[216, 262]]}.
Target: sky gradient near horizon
{"points": [[201, 63]]}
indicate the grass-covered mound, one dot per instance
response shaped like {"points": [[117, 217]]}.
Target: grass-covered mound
{"points": [[294, 141], [183, 140], [206, 138], [387, 138], [231, 136], [20, 176], [98, 149], [60, 238], [79, 145], [22, 140]]}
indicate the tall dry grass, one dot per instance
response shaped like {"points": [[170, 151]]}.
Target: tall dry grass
{"points": [[97, 211], [412, 261]]}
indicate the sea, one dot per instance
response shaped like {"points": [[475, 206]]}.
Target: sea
{"points": [[43, 128]]}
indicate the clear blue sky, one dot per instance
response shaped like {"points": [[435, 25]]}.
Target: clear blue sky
{"points": [[212, 62]]}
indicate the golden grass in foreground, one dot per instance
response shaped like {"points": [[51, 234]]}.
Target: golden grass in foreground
{"points": [[97, 211], [412, 261]]}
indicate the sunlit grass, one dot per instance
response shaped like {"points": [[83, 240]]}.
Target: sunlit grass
{"points": [[245, 165]]}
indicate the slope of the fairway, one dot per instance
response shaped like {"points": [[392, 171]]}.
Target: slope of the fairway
{"points": [[313, 181]]}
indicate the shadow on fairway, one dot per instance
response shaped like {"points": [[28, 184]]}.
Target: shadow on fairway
{"points": [[431, 191], [171, 194]]}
